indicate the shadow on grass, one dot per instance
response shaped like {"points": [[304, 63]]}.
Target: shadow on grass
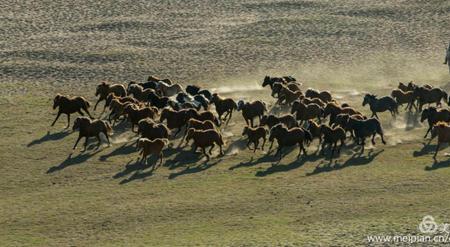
{"points": [[137, 169], [70, 161], [293, 165], [50, 137], [426, 149], [438, 164], [126, 148], [354, 160], [195, 169]]}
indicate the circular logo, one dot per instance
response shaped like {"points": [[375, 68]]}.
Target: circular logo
{"points": [[428, 225]]}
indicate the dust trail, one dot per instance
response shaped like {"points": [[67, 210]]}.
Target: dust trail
{"points": [[238, 87], [235, 147], [123, 138]]}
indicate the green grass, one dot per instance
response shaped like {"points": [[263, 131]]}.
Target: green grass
{"points": [[52, 199]]}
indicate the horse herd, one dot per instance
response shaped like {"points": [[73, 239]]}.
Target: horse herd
{"points": [[158, 110]]}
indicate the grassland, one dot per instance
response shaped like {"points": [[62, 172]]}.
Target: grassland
{"points": [[53, 197]]}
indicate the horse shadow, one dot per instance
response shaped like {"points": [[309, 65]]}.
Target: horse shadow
{"points": [[253, 162], [122, 150], [50, 137], [355, 160], [70, 161], [438, 165], [285, 168], [427, 148], [129, 168], [137, 169], [195, 169], [182, 157]]}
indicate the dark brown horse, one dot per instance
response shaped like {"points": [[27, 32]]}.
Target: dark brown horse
{"points": [[386, 103], [434, 115], [69, 105], [90, 128], [425, 95], [104, 89]]}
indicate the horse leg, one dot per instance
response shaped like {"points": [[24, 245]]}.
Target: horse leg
{"points": [[68, 121], [210, 150], [264, 142], [333, 147], [81, 113], [256, 143], [428, 131], [85, 144], [107, 139], [303, 148], [437, 150], [178, 131], [229, 116], [99, 141], [76, 143], [363, 143], [87, 111], [221, 149], [251, 122], [246, 121], [204, 152], [340, 147], [57, 116], [382, 137], [299, 150], [248, 144], [322, 151], [98, 101], [161, 158], [279, 153], [373, 138]]}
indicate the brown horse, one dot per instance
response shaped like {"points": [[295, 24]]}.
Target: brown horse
{"points": [[289, 137], [224, 105], [426, 95], [69, 105], [334, 109], [103, 89], [254, 134], [204, 139], [306, 112], [251, 110], [442, 130], [404, 97], [325, 96], [90, 128], [331, 136], [434, 115], [149, 147], [386, 103]]}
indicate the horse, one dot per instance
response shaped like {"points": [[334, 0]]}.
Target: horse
{"points": [[386, 103]]}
